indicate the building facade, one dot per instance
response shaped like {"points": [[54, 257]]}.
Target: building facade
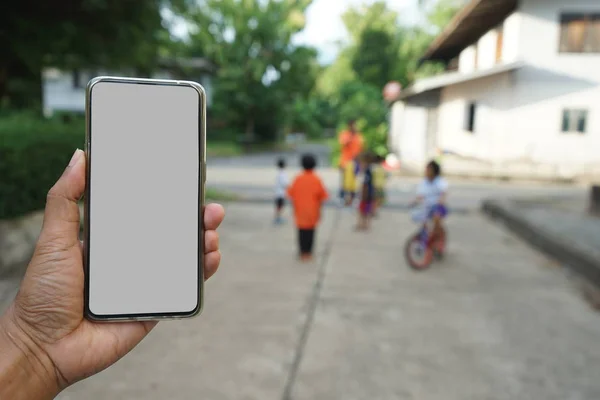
{"points": [[521, 97], [64, 91]]}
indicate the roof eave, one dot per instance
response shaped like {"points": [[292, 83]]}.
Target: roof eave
{"points": [[467, 26]]}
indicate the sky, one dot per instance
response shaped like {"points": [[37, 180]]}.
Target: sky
{"points": [[324, 26]]}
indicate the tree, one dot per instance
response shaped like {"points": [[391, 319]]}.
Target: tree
{"points": [[73, 34], [380, 49], [375, 57], [375, 17], [260, 72]]}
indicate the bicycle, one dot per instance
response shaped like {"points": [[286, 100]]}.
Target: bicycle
{"points": [[422, 247]]}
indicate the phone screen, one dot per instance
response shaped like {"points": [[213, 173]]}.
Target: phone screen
{"points": [[144, 199]]}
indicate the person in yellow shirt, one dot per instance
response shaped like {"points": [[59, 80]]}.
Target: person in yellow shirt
{"points": [[349, 186], [351, 143]]}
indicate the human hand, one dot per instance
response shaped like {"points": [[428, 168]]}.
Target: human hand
{"points": [[44, 328]]}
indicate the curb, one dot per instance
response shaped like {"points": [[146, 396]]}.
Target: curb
{"points": [[582, 263]]}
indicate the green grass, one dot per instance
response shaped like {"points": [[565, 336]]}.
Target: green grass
{"points": [[232, 149], [222, 149], [219, 195]]}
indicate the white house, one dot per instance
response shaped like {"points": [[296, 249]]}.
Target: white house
{"points": [[64, 91], [520, 97]]}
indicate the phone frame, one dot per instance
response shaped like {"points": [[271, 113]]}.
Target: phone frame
{"points": [[201, 200]]}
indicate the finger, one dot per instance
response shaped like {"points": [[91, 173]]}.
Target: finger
{"points": [[61, 217], [211, 263], [211, 241], [213, 216]]}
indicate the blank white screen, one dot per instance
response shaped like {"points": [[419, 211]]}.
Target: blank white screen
{"points": [[144, 212]]}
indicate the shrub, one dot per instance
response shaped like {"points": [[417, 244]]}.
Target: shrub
{"points": [[33, 154]]}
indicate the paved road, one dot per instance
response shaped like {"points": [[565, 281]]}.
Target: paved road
{"points": [[253, 177], [495, 320]]}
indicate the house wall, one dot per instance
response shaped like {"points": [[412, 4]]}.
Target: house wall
{"points": [[482, 55], [413, 140], [396, 124], [488, 140], [519, 115], [59, 93], [554, 81], [408, 131], [486, 50], [511, 38], [466, 60]]}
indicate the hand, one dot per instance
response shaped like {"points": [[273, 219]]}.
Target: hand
{"points": [[45, 322]]}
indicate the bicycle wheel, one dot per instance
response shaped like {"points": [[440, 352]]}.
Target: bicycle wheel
{"points": [[418, 256]]}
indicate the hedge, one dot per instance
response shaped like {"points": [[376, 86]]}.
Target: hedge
{"points": [[33, 154]]}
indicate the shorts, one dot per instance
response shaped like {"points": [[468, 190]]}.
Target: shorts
{"points": [[306, 238], [438, 209], [379, 194], [279, 202], [365, 207]]}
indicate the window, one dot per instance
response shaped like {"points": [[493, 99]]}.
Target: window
{"points": [[470, 117], [574, 121], [580, 33]]}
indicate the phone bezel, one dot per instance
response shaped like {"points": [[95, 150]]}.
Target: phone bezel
{"points": [[201, 189]]}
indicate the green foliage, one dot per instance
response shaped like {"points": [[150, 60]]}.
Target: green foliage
{"points": [[74, 34], [33, 154], [376, 17], [261, 75], [380, 50], [374, 59]]}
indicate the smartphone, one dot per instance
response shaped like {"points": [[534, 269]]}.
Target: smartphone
{"points": [[144, 199]]}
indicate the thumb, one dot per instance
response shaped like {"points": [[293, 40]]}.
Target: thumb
{"points": [[61, 217]]}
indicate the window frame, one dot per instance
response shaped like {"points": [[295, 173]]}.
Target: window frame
{"points": [[571, 121], [470, 123], [590, 32]]}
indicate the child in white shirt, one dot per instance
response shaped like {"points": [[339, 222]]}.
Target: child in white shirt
{"points": [[432, 192]]}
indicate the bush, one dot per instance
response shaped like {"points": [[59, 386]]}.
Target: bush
{"points": [[33, 154]]}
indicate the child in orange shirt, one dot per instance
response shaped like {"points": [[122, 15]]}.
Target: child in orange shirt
{"points": [[307, 194]]}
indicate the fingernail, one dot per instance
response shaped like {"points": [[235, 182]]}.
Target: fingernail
{"points": [[75, 158]]}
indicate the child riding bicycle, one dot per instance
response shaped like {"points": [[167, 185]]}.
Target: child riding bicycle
{"points": [[431, 193]]}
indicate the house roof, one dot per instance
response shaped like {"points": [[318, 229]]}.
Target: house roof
{"points": [[467, 26], [440, 81]]}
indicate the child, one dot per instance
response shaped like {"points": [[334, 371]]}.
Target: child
{"points": [[281, 185], [350, 171], [307, 194], [367, 193], [379, 177], [432, 193]]}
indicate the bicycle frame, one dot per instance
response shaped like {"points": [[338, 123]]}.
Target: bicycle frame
{"points": [[424, 233]]}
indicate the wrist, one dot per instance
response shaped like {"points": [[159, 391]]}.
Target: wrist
{"points": [[26, 371]]}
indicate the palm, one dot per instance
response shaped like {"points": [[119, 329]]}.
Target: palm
{"points": [[53, 303]]}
